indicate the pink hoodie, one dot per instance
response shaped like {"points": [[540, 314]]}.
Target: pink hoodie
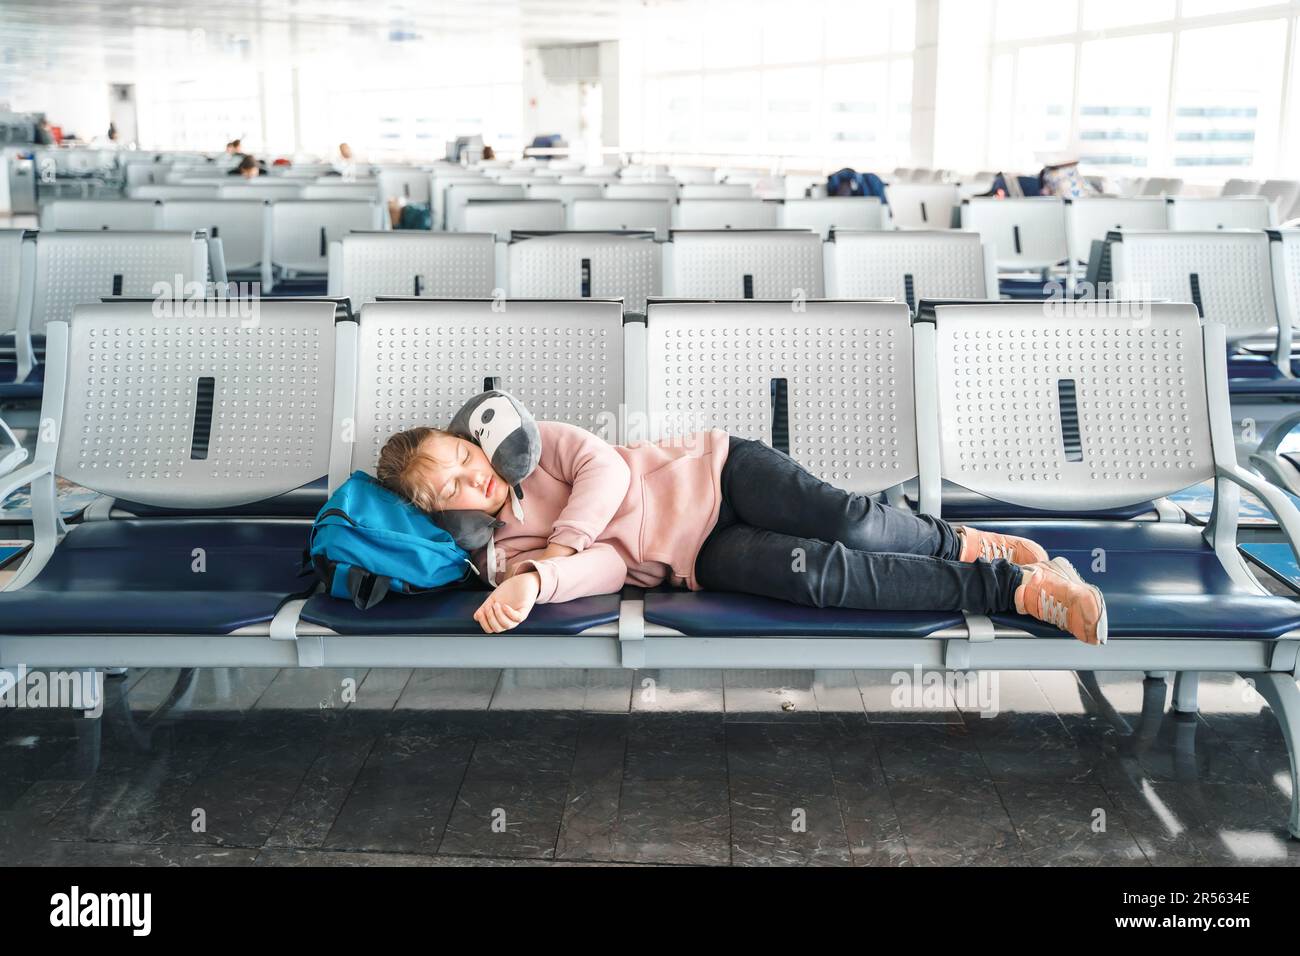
{"points": [[634, 514]]}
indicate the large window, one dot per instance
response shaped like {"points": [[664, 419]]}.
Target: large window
{"points": [[1189, 88], [752, 84]]}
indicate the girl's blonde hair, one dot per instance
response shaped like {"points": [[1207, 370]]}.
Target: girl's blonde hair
{"points": [[401, 464]]}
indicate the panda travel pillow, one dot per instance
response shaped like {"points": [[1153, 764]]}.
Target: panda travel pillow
{"points": [[508, 435]]}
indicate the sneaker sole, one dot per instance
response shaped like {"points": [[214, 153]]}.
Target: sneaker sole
{"points": [[1068, 569]]}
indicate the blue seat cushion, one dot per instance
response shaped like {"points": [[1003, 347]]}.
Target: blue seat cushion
{"points": [[137, 577], [28, 388], [302, 502], [452, 612], [1160, 580], [723, 614]]}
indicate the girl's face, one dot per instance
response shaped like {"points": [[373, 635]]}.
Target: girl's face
{"points": [[460, 477]]}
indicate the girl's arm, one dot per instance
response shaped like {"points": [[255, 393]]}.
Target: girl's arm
{"points": [[596, 570], [599, 479]]}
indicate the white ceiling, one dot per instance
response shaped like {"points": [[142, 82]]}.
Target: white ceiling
{"points": [[124, 38]]}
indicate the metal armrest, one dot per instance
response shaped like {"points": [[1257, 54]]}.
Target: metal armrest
{"points": [[11, 459], [1266, 458], [1222, 530]]}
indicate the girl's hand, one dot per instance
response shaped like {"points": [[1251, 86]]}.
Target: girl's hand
{"points": [[552, 551], [510, 603]]}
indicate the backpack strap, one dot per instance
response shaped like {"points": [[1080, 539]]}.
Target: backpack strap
{"points": [[366, 588]]}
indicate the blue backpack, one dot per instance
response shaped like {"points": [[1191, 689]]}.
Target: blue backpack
{"points": [[368, 541], [850, 182]]}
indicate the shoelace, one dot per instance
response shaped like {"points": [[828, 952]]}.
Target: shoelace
{"points": [[991, 549], [1052, 610]]}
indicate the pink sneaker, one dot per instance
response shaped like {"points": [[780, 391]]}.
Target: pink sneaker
{"points": [[989, 545]]}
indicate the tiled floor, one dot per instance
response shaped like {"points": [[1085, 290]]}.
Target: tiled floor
{"points": [[439, 768]]}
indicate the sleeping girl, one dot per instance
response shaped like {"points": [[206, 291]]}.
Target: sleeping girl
{"points": [[710, 511]]}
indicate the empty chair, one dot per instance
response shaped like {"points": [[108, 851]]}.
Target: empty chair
{"points": [[586, 266], [587, 179], [502, 216], [908, 266], [1240, 187], [694, 175], [564, 192], [365, 265], [715, 191], [1284, 194], [175, 413], [101, 214], [825, 215], [17, 282], [922, 205], [78, 267], [271, 192], [1088, 219], [1227, 275], [243, 226], [1027, 233], [634, 190], [443, 179], [622, 214], [341, 190], [302, 229], [749, 264], [1158, 186], [409, 184], [165, 192], [1233, 212], [458, 194], [725, 214]]}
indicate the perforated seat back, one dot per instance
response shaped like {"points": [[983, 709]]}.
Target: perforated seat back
{"points": [[1240, 187], [301, 230], [1027, 233], [165, 192], [202, 412], [1286, 278], [1221, 212], [626, 190], [907, 266], [458, 194], [412, 262], [922, 205], [1079, 410], [419, 362], [268, 192], [836, 212], [342, 190], [622, 214], [837, 378], [134, 214], [501, 217], [12, 278], [715, 191], [586, 266], [1284, 194], [442, 180], [565, 192], [73, 268], [242, 226], [725, 214], [744, 265], [1226, 274], [1091, 218]]}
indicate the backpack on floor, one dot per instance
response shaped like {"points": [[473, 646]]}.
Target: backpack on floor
{"points": [[367, 541]]}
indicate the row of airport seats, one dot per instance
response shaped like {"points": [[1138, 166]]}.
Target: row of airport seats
{"points": [[1086, 410], [262, 239], [1247, 280], [1029, 234]]}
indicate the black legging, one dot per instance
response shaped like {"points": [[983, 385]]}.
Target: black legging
{"points": [[785, 533]]}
